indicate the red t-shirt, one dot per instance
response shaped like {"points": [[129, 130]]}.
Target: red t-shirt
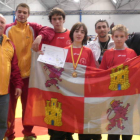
{"points": [[115, 57], [60, 40], [86, 58]]}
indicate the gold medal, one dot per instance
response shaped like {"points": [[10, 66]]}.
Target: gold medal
{"points": [[74, 74]]}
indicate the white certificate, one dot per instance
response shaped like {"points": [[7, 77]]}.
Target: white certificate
{"points": [[53, 55]]}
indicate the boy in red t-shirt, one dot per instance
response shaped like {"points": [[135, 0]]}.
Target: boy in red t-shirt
{"points": [[79, 54], [120, 53], [61, 39], [116, 56]]}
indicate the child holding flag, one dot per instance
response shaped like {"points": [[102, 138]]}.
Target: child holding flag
{"points": [[117, 56], [79, 54]]}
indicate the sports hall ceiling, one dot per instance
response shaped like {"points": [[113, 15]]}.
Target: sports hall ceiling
{"points": [[75, 6], [84, 4]]}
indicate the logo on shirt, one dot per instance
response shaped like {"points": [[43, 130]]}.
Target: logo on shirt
{"points": [[60, 37], [121, 55], [75, 53], [83, 61], [68, 42]]}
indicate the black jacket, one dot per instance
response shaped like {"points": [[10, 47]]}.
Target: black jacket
{"points": [[134, 42]]}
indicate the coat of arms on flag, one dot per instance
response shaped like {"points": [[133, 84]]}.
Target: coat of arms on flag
{"points": [[95, 102], [119, 78], [53, 112], [120, 113]]}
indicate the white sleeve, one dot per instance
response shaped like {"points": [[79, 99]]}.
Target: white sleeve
{"points": [[95, 48]]}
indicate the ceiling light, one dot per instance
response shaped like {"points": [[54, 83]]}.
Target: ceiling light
{"points": [[76, 0], [114, 1]]}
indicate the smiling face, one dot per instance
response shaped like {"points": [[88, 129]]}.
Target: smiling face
{"points": [[2, 24], [102, 29], [119, 38], [22, 14], [78, 35]]}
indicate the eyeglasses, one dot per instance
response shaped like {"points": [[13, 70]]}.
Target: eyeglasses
{"points": [[99, 27]]}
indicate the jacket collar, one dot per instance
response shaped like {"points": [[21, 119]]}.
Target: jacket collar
{"points": [[20, 24]]}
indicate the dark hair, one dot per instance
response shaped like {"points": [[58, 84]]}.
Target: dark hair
{"points": [[23, 5], [56, 11], [101, 20], [78, 25]]}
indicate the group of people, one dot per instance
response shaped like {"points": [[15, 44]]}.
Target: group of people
{"points": [[16, 41]]}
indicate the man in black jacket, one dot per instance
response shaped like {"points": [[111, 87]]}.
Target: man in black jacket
{"points": [[134, 42]]}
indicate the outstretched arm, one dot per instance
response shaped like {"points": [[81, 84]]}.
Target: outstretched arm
{"points": [[41, 33]]}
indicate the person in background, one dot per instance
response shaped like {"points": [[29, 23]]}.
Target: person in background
{"points": [[88, 40], [111, 26], [8, 69], [22, 34], [134, 42], [103, 41], [116, 56]]}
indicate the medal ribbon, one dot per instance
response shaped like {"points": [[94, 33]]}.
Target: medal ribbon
{"points": [[75, 64]]}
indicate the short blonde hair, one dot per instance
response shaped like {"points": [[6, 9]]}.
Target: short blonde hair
{"points": [[121, 28]]}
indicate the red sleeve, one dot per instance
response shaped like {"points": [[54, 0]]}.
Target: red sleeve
{"points": [[103, 62], [15, 72], [133, 54], [92, 60], [46, 32]]}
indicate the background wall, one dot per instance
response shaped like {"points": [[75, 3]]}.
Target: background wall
{"points": [[132, 22]]}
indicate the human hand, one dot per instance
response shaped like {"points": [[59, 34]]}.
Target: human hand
{"points": [[57, 67], [41, 52], [18, 92], [36, 43]]}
